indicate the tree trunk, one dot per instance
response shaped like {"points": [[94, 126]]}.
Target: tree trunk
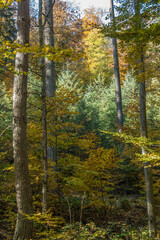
{"points": [[147, 167], [117, 74], [143, 129], [44, 115], [23, 228], [48, 86], [49, 40]]}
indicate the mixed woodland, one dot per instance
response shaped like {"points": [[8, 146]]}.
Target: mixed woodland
{"points": [[79, 120]]}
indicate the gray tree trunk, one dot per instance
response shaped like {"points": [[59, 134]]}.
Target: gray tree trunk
{"points": [[50, 73], [147, 167], [44, 115], [23, 228], [143, 130], [48, 77], [117, 74]]}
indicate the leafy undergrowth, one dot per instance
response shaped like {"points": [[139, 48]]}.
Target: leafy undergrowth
{"points": [[90, 231]]}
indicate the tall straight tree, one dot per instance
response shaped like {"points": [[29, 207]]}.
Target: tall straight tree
{"points": [[50, 73], [147, 166], [137, 27], [143, 127], [116, 72], [44, 114], [23, 228], [48, 85]]}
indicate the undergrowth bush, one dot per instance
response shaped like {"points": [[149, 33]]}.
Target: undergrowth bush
{"points": [[90, 232]]}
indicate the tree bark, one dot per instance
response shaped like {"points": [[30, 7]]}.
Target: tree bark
{"points": [[49, 40], [147, 167], [48, 85], [117, 74], [24, 227], [143, 130], [44, 115]]}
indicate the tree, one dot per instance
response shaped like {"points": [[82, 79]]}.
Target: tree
{"points": [[67, 25], [98, 58], [24, 226], [117, 74], [50, 74], [7, 34], [7, 27], [44, 113], [48, 86], [96, 46], [68, 33], [135, 28], [144, 132], [97, 109]]}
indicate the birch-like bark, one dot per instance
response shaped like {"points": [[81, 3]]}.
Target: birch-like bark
{"points": [[44, 115], [24, 226], [117, 74]]}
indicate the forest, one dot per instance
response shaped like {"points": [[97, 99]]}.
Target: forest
{"points": [[79, 120]]}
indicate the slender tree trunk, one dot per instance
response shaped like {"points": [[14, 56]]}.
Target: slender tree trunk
{"points": [[44, 115], [117, 74], [143, 130], [23, 228], [48, 85], [147, 167]]}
